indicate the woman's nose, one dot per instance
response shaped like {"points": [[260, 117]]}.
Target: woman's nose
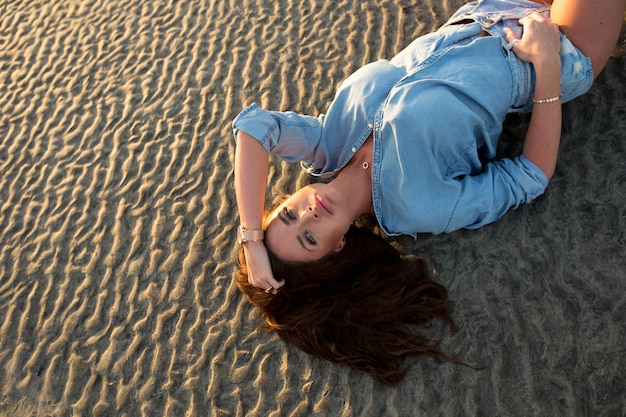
{"points": [[311, 213]]}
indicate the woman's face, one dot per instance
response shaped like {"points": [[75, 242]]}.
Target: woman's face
{"points": [[308, 225]]}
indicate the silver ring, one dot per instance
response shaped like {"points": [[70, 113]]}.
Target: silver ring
{"points": [[267, 290], [513, 43]]}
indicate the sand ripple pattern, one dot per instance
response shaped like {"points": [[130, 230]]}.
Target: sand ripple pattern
{"points": [[117, 214]]}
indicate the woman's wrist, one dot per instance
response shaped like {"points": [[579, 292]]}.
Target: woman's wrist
{"points": [[547, 100], [246, 235], [548, 80], [548, 66]]}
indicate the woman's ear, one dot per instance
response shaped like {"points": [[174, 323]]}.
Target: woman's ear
{"points": [[340, 245]]}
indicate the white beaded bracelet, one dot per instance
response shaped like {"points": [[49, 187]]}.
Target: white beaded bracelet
{"points": [[548, 100]]}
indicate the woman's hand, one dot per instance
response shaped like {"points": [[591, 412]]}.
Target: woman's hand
{"points": [[540, 43], [259, 268]]}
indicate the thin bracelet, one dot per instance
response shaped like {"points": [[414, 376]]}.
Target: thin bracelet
{"points": [[548, 100]]}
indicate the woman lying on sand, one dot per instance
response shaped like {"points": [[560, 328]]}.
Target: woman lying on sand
{"points": [[406, 140]]}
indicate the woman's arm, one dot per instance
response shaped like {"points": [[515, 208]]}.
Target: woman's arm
{"points": [[544, 131], [287, 135], [540, 45], [251, 166]]}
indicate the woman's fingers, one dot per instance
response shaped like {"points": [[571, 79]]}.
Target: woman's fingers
{"points": [[511, 38], [265, 282], [270, 285]]}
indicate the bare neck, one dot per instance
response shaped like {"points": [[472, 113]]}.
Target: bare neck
{"points": [[355, 181]]}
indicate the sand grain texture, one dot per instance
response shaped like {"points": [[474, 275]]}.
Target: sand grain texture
{"points": [[117, 216]]}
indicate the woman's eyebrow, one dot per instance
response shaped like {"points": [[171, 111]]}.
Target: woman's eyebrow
{"points": [[283, 219], [302, 244]]}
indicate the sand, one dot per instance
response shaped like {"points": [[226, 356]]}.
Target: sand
{"points": [[117, 217]]}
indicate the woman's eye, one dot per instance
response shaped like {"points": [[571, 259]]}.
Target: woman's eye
{"points": [[310, 238], [289, 213]]}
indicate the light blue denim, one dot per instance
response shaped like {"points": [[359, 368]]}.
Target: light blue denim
{"points": [[435, 111]]}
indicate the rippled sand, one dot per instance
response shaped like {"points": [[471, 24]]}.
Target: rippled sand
{"points": [[117, 217]]}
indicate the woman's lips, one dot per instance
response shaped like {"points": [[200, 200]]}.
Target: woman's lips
{"points": [[324, 205]]}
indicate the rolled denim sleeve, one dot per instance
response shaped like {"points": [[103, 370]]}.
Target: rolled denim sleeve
{"points": [[502, 186], [288, 135]]}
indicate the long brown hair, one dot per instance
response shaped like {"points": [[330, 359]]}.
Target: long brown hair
{"points": [[358, 306]]}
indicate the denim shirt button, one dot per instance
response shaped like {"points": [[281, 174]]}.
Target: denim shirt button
{"points": [[353, 149], [370, 125]]}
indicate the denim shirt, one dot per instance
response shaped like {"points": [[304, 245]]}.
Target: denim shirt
{"points": [[435, 112]]}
